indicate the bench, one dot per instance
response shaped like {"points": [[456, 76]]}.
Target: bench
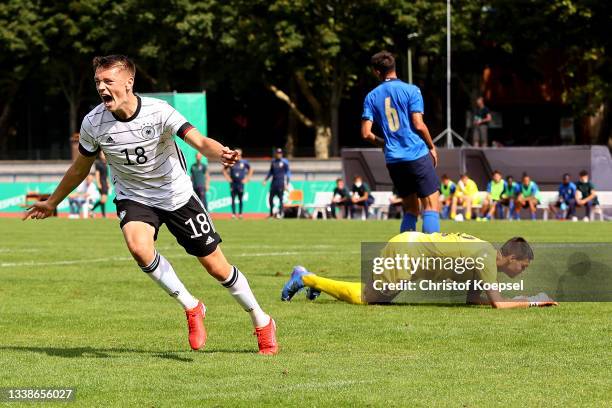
{"points": [[321, 204], [604, 198], [605, 203], [380, 206], [32, 197]]}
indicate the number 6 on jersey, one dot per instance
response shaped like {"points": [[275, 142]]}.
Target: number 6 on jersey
{"points": [[392, 116]]}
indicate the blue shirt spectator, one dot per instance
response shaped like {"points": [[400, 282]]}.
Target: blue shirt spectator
{"points": [[566, 201], [239, 172], [567, 192], [280, 174], [279, 171]]}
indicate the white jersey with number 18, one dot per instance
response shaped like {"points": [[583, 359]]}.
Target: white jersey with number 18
{"points": [[146, 163]]}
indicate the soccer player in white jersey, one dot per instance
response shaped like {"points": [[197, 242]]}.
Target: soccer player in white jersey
{"points": [[152, 187]]}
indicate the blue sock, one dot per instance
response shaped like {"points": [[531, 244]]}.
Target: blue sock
{"points": [[431, 222], [533, 216], [408, 222]]}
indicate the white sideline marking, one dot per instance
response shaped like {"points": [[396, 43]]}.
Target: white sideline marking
{"points": [[72, 262], [123, 259]]}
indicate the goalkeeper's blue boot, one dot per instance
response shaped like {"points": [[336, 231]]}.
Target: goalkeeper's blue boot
{"points": [[294, 284], [312, 294]]}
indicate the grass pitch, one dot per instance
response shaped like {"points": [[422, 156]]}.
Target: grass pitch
{"points": [[75, 311]]}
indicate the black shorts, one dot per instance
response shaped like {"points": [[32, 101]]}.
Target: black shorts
{"points": [[191, 224], [415, 176], [237, 188], [104, 189], [276, 190], [526, 203]]}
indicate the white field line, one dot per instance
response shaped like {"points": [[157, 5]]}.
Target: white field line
{"points": [[125, 259]]}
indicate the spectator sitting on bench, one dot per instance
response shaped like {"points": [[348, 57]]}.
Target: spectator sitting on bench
{"points": [[566, 202], [528, 197], [586, 196], [361, 196], [509, 195], [395, 206], [492, 203], [466, 195], [447, 190], [341, 198], [85, 194]]}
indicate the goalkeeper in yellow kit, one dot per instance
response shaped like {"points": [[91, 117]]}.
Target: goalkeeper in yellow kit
{"points": [[511, 259]]}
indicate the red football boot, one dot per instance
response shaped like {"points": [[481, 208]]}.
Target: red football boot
{"points": [[195, 322], [266, 339]]}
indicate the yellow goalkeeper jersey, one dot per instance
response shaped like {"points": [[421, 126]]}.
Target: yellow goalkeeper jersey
{"points": [[438, 257], [469, 188]]}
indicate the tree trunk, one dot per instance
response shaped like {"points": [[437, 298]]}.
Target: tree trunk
{"points": [[5, 115], [334, 108], [322, 125], [335, 120], [605, 131], [72, 89], [73, 113], [292, 124], [323, 137], [4, 130]]}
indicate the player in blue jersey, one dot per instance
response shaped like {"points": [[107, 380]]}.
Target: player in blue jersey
{"points": [[566, 202], [411, 157], [238, 176], [280, 174]]}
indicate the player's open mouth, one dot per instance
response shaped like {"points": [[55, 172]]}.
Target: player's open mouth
{"points": [[107, 99]]}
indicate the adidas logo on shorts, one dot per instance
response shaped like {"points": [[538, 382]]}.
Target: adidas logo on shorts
{"points": [[209, 240]]}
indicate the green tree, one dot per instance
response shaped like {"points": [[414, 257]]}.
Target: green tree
{"points": [[576, 32], [322, 47], [74, 31], [21, 48]]}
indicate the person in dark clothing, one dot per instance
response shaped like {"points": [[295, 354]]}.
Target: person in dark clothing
{"points": [[395, 206], [341, 198], [361, 196], [586, 196], [280, 174], [480, 125], [200, 179], [238, 176], [101, 177], [566, 202]]}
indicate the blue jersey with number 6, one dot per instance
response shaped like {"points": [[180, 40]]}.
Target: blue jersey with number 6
{"points": [[390, 105]]}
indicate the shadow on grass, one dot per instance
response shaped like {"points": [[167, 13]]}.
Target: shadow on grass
{"points": [[90, 352]]}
